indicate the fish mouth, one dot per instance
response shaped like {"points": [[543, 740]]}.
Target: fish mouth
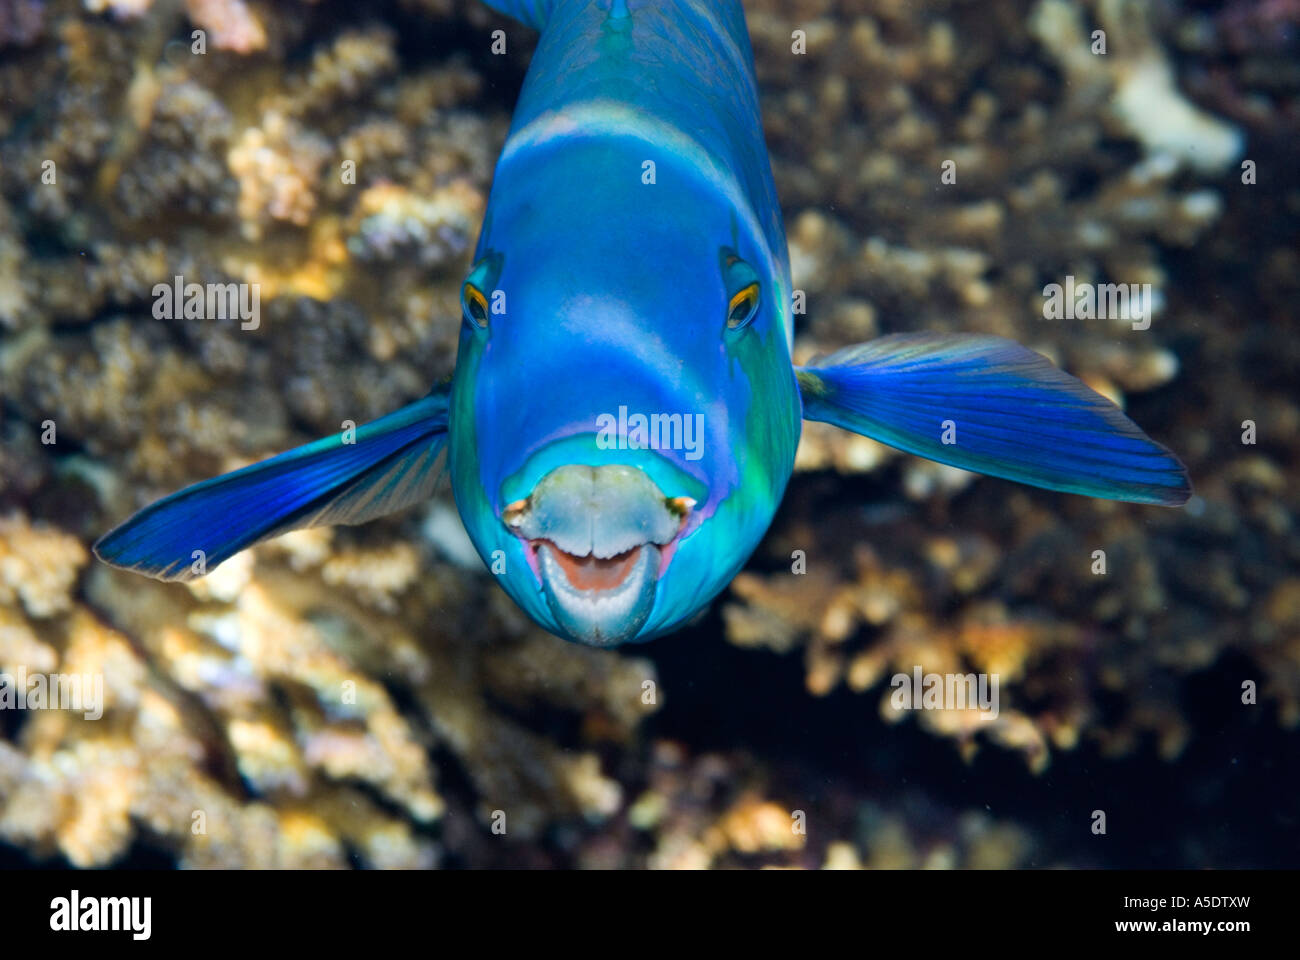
{"points": [[598, 540]]}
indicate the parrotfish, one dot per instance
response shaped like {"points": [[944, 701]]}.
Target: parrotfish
{"points": [[622, 420]]}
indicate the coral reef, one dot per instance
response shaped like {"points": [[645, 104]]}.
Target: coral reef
{"points": [[1038, 192], [367, 696]]}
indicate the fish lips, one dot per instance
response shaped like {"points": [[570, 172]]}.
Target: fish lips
{"points": [[600, 617], [598, 540]]}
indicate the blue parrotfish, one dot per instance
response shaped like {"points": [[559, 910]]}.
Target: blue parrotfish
{"points": [[622, 420]]}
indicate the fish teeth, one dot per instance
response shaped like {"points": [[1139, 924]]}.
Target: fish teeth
{"points": [[514, 513], [682, 506], [601, 617], [597, 511]]}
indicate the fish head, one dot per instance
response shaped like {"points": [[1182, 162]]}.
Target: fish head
{"points": [[624, 411]]}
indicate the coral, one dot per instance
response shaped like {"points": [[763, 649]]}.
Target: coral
{"points": [[715, 811], [278, 166], [38, 566], [268, 677], [121, 9], [21, 22], [393, 222], [177, 170], [368, 696], [353, 65], [14, 285], [1035, 197], [232, 25]]}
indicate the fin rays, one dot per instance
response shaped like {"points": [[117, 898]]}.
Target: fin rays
{"points": [[392, 464], [1013, 415]]}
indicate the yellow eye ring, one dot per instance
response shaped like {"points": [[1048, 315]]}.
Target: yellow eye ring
{"points": [[743, 306], [476, 305]]}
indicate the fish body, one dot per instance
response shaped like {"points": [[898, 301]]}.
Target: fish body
{"points": [[624, 215], [624, 413]]}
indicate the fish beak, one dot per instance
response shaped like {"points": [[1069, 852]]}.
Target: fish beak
{"points": [[599, 539], [513, 515]]}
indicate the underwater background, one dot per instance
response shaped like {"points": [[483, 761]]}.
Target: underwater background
{"points": [[367, 696]]}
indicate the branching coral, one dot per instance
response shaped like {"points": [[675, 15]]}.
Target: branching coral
{"points": [[368, 696]]}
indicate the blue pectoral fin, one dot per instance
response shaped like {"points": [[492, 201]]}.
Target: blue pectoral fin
{"points": [[989, 405], [350, 477], [534, 13]]}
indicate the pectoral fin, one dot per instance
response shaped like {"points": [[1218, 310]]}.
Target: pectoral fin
{"points": [[534, 13], [989, 405], [347, 478]]}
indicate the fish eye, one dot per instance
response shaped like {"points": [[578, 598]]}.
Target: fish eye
{"points": [[475, 304], [743, 306], [742, 284]]}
